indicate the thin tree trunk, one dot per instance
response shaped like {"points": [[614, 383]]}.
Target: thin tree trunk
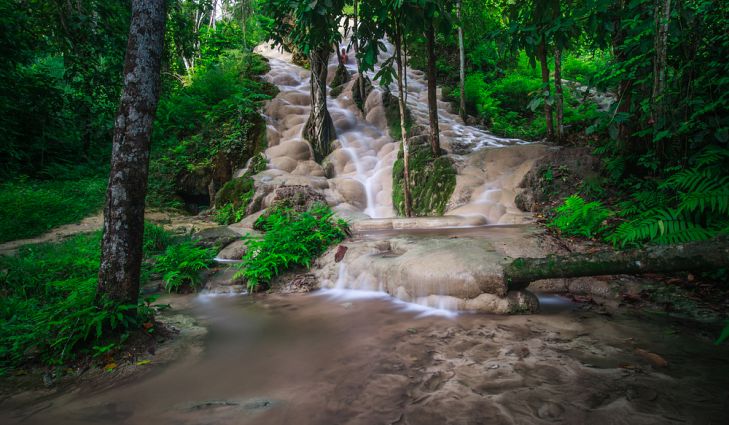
{"points": [[432, 92], [403, 127], [694, 256], [624, 85], [662, 16], [559, 96], [355, 42], [542, 53], [319, 129], [121, 246], [461, 64]]}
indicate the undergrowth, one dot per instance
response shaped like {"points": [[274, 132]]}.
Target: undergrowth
{"points": [[291, 239], [32, 207], [49, 306]]}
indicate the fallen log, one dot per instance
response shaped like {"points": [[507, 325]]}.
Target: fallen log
{"points": [[693, 256]]}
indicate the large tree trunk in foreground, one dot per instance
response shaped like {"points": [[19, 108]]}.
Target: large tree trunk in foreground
{"points": [[319, 129], [542, 54], [403, 125], [461, 64], [121, 246], [707, 255], [432, 93]]}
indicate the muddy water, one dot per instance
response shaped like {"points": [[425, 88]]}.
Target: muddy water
{"points": [[321, 360]]}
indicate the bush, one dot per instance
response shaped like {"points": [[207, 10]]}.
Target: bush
{"points": [[181, 264], [49, 308], [31, 208], [575, 217], [291, 239]]}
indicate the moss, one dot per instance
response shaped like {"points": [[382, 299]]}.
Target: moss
{"points": [[237, 192], [258, 163], [341, 76], [392, 114], [355, 92], [432, 180], [336, 91]]}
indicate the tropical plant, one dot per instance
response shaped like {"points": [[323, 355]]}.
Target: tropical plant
{"points": [[576, 217], [181, 265], [291, 239]]}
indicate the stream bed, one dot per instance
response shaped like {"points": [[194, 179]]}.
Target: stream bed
{"points": [[323, 359]]}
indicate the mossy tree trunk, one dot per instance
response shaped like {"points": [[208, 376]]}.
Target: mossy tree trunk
{"points": [[403, 126], [121, 246], [319, 129], [694, 256], [355, 44], [461, 64], [432, 92]]}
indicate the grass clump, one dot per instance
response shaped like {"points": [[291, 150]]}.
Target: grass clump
{"points": [[31, 208], [291, 239]]}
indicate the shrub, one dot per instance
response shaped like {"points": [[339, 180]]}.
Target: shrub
{"points": [[575, 217], [48, 304], [291, 239], [181, 264]]}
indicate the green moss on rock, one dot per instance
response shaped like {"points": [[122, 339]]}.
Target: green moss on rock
{"points": [[432, 180], [237, 192], [341, 76]]}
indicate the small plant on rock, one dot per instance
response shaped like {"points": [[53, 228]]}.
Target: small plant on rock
{"points": [[576, 217]]}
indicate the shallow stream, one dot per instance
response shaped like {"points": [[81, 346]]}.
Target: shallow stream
{"points": [[308, 359]]}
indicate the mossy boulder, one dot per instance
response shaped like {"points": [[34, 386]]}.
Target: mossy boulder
{"points": [[237, 192], [341, 76], [392, 114], [432, 180], [355, 92]]}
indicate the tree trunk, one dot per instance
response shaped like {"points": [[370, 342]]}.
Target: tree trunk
{"points": [[698, 256], [542, 53], [559, 96], [403, 127], [461, 63], [319, 129], [355, 43], [662, 16], [121, 246], [432, 93], [624, 85]]}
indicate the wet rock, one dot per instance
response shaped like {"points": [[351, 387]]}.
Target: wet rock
{"points": [[339, 255], [233, 251], [215, 237]]}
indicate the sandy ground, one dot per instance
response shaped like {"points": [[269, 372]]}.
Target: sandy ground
{"points": [[308, 359]]}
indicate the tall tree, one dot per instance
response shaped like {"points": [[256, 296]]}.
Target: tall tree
{"points": [[121, 246], [432, 90], [662, 17], [398, 34], [312, 27], [461, 63], [355, 43]]}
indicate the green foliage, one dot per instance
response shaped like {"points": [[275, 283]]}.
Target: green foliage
{"points": [[32, 207], [181, 264], [433, 181], [156, 239], [292, 239], [575, 217], [48, 303], [211, 120]]}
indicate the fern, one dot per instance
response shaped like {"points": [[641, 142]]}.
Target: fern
{"points": [[662, 226], [576, 217]]}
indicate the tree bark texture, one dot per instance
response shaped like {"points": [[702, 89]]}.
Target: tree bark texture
{"points": [[319, 129], [542, 53], [662, 16], [403, 126], [694, 256], [121, 246], [355, 43], [462, 64], [432, 92], [558, 94]]}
